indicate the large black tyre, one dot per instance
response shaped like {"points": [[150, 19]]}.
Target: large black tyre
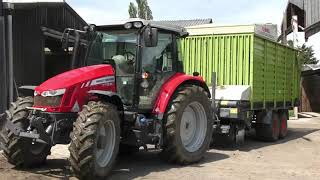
{"points": [[176, 148], [21, 152], [268, 132], [92, 154]]}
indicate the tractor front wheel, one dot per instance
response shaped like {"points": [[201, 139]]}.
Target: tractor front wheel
{"points": [[188, 127], [19, 151], [95, 140]]}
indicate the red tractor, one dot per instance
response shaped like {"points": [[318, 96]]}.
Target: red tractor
{"points": [[129, 92]]}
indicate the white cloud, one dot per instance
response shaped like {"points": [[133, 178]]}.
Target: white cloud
{"points": [[227, 11], [98, 16]]}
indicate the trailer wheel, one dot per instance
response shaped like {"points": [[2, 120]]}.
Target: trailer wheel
{"points": [[95, 140], [283, 124], [268, 132], [188, 128], [22, 152]]}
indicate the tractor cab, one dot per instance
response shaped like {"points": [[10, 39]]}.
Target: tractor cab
{"points": [[144, 55]]}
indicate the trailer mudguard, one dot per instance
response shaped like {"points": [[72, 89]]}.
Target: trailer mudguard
{"points": [[169, 88]]}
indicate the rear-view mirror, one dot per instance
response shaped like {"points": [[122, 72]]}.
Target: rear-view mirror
{"points": [[150, 37]]}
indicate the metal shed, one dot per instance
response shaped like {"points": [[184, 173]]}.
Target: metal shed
{"points": [[310, 88], [30, 46], [308, 12]]}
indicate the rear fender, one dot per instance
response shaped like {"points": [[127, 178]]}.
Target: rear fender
{"points": [[169, 88]]}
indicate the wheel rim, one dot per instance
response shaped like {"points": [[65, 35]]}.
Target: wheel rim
{"points": [[193, 127], [284, 125], [105, 143]]}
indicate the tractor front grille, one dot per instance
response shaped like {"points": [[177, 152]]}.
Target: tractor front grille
{"points": [[47, 101]]}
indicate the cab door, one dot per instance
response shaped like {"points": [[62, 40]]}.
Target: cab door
{"points": [[157, 66]]}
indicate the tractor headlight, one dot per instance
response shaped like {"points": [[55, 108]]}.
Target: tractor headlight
{"points": [[128, 25], [53, 93], [137, 24]]}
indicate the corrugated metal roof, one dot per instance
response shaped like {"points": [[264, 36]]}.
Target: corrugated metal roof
{"points": [[298, 3], [186, 23], [310, 67]]}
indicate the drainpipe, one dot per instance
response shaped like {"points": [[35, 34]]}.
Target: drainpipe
{"points": [[10, 51], [3, 73]]}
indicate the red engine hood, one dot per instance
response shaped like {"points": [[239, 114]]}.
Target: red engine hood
{"points": [[76, 76]]}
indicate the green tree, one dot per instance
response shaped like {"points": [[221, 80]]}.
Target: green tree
{"points": [[141, 10], [132, 10], [306, 55]]}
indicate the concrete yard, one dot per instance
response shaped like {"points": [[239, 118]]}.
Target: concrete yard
{"points": [[296, 157]]}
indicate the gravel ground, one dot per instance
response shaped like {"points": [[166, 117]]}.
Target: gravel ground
{"points": [[296, 157]]}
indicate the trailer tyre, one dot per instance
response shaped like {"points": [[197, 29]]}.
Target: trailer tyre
{"points": [[95, 140], [283, 124], [22, 152], [188, 128], [268, 132]]}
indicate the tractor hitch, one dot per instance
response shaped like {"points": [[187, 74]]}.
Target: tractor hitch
{"points": [[17, 131]]}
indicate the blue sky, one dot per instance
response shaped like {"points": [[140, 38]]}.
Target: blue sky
{"points": [[225, 11], [221, 11]]}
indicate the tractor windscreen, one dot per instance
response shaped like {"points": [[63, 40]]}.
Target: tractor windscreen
{"points": [[117, 48]]}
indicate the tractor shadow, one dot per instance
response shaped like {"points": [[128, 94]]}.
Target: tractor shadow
{"points": [[53, 168], [127, 166], [144, 163], [252, 143]]}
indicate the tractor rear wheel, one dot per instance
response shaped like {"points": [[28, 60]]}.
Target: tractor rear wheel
{"points": [[188, 128], [22, 152], [268, 132], [95, 140]]}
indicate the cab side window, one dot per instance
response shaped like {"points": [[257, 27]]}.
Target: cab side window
{"points": [[158, 59]]}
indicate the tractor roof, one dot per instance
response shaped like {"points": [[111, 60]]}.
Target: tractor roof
{"points": [[181, 31]]}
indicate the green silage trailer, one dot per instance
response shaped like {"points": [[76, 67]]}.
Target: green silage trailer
{"points": [[257, 78]]}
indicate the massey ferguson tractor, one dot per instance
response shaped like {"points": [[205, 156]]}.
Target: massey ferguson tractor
{"points": [[129, 92]]}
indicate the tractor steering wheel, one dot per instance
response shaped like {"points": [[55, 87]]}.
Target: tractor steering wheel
{"points": [[127, 55]]}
